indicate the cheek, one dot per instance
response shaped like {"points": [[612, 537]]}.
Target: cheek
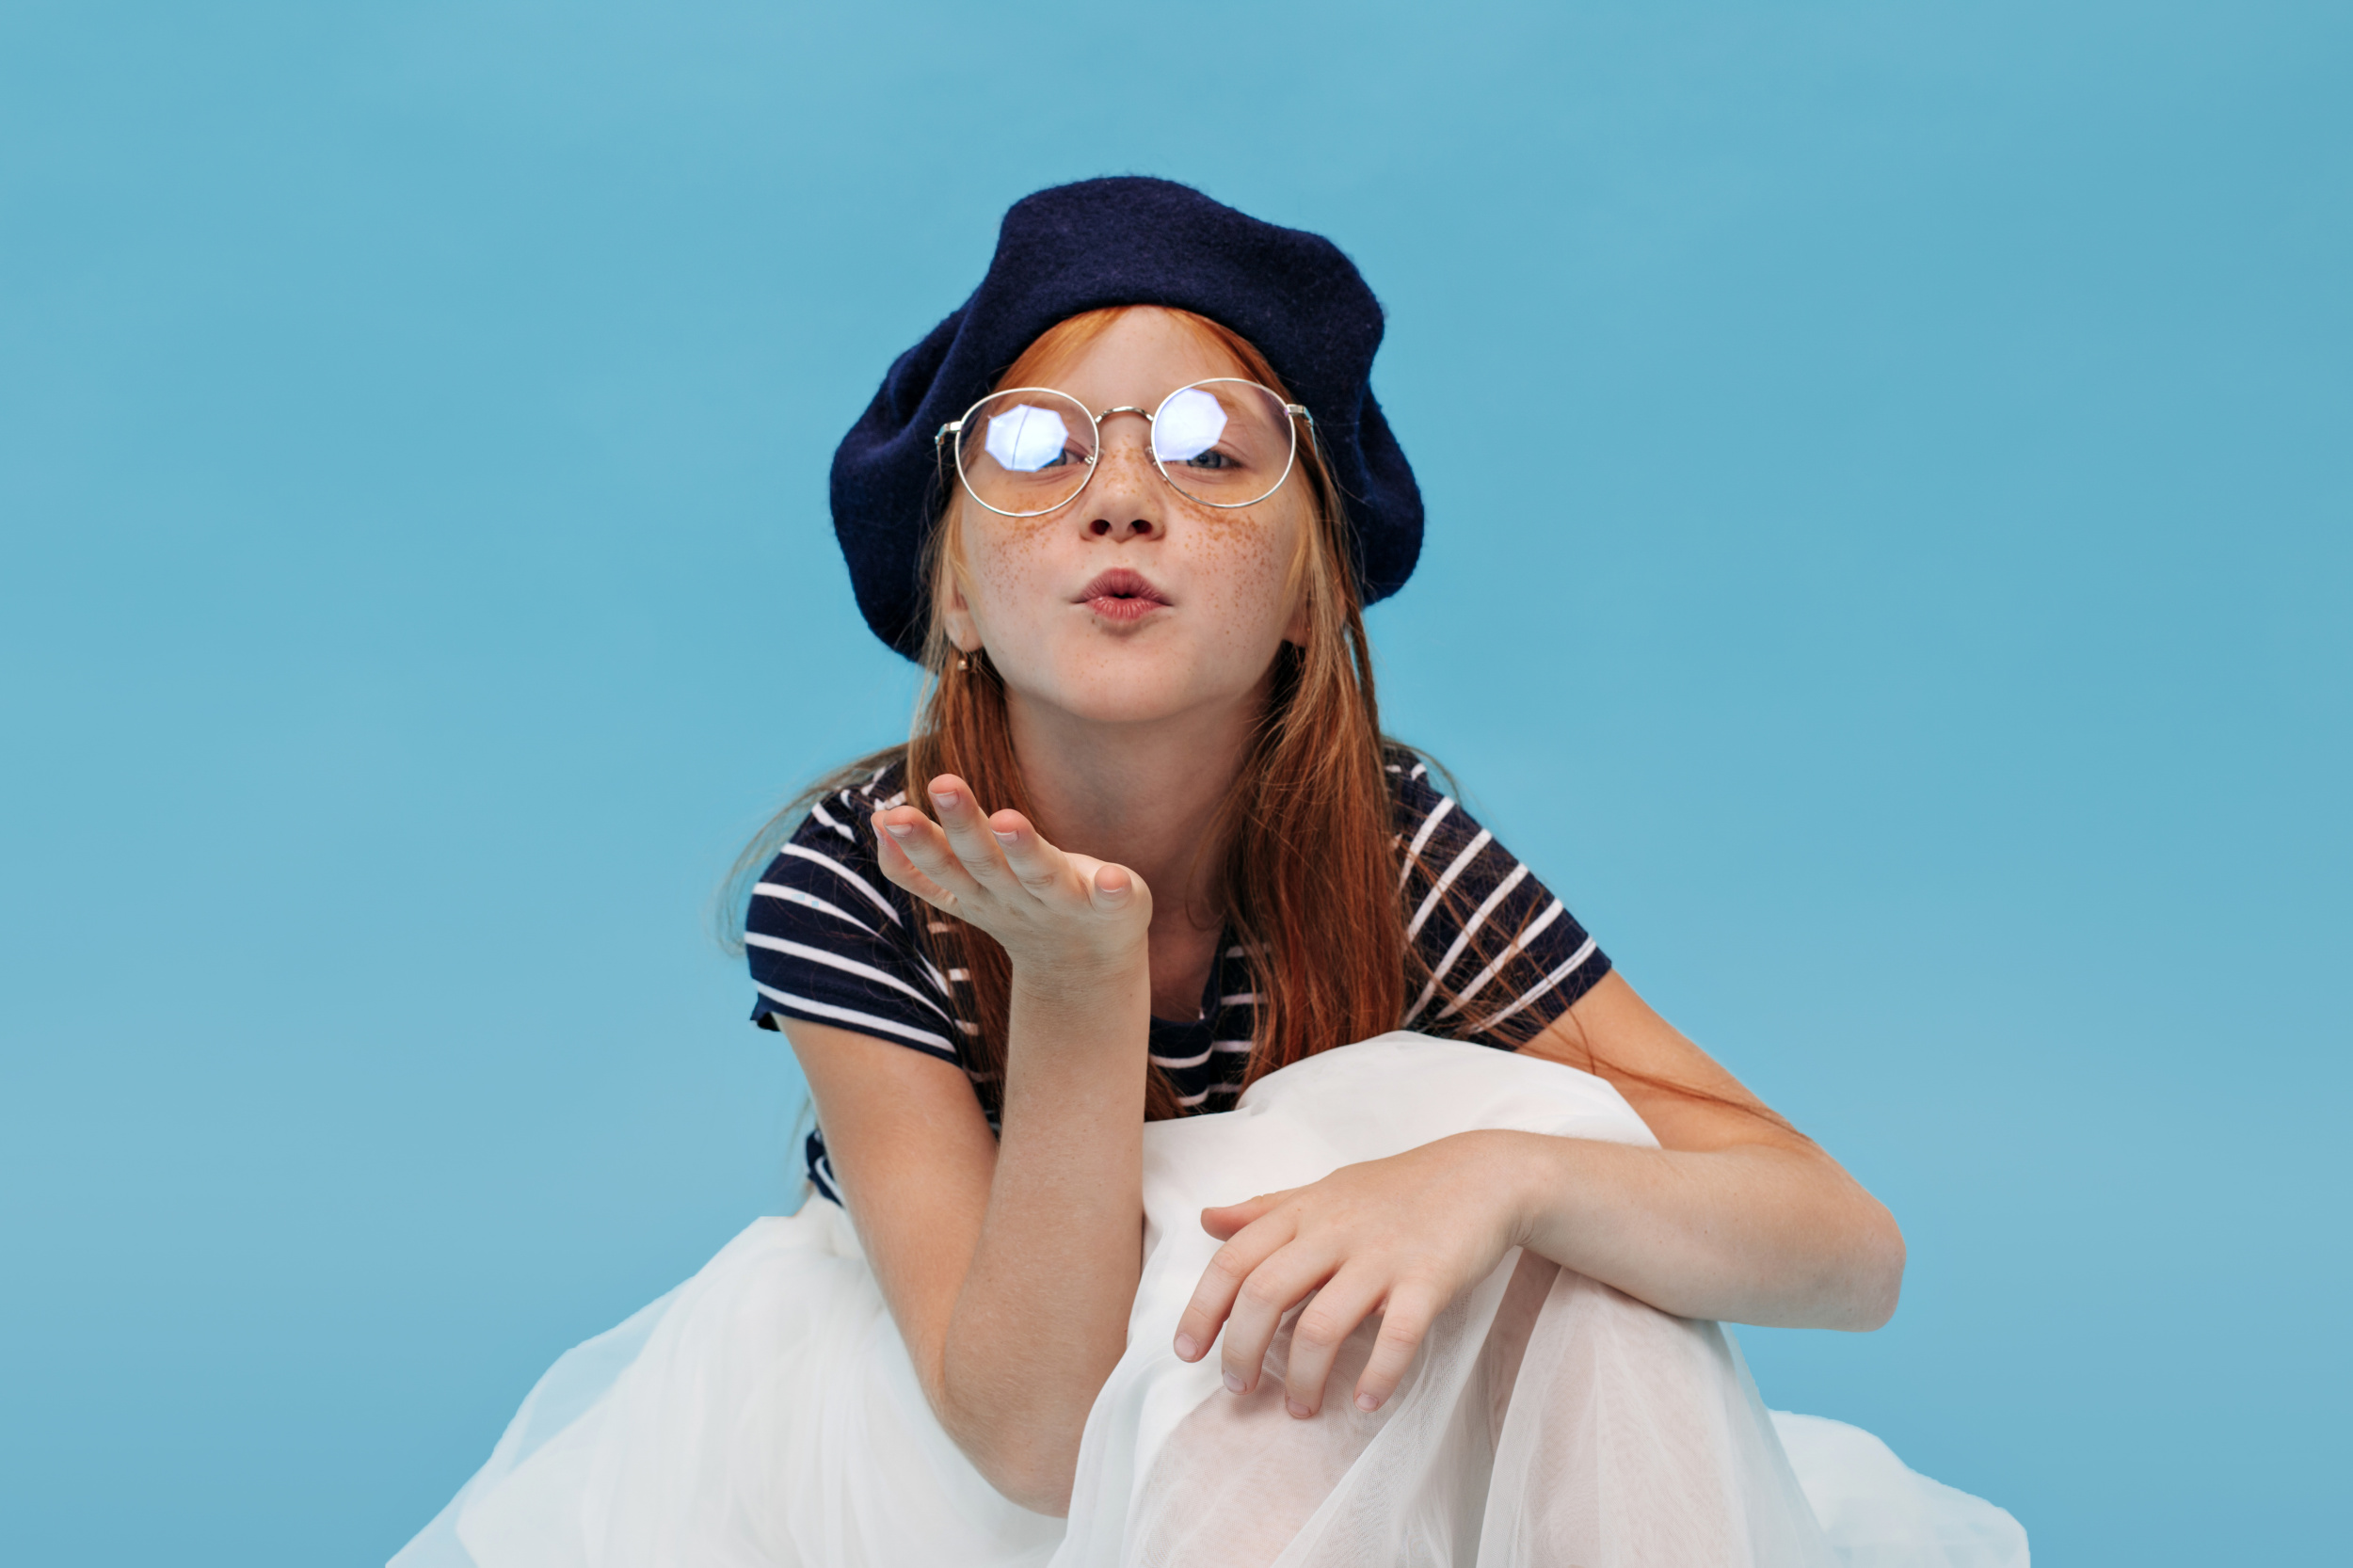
{"points": [[1008, 568], [1249, 569]]}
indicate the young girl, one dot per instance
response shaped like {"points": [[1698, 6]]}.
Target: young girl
{"points": [[1142, 1228]]}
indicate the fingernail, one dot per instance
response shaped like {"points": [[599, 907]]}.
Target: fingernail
{"points": [[897, 830], [944, 801], [1186, 1347], [1297, 1409], [1367, 1403], [1234, 1383], [1006, 838]]}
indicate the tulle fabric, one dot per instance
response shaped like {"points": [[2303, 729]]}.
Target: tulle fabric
{"points": [[766, 1414]]}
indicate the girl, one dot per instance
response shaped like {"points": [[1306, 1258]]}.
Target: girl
{"points": [[1441, 1296]]}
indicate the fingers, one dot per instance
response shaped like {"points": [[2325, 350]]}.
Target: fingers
{"points": [[1325, 1324], [1274, 1287], [968, 832], [965, 857], [1221, 1283], [899, 868], [916, 855], [1256, 1278], [1035, 864], [1228, 1219], [1406, 1316], [948, 862]]}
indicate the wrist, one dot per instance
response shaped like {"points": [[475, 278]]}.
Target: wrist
{"points": [[1090, 992], [1527, 1176]]}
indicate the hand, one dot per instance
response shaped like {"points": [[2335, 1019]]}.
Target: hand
{"points": [[1055, 913], [1401, 1236]]}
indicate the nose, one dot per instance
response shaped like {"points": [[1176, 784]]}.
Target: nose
{"points": [[1127, 500]]}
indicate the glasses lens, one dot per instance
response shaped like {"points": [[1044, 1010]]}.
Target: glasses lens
{"points": [[1226, 442], [1026, 451]]}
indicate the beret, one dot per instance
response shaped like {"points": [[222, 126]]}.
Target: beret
{"points": [[1126, 241]]}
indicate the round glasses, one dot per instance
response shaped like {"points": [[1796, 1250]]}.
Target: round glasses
{"points": [[1027, 451]]}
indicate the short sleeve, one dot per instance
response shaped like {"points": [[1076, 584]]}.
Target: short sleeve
{"points": [[1500, 957], [830, 941]]}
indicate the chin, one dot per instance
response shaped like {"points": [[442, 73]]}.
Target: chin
{"points": [[1131, 680], [1117, 701], [1133, 686]]}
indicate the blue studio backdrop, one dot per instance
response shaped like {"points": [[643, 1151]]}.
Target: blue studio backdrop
{"points": [[1888, 570]]}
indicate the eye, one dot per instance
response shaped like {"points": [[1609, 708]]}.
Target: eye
{"points": [[1211, 460], [1189, 424]]}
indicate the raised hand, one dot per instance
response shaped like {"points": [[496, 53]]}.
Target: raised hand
{"points": [[1057, 914], [1401, 1236]]}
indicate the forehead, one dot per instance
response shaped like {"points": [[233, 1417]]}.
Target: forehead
{"points": [[1139, 358]]}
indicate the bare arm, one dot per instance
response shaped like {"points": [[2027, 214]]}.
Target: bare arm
{"points": [[1008, 1266], [1734, 1217]]}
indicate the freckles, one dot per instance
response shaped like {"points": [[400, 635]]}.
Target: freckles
{"points": [[1011, 561], [1246, 571]]}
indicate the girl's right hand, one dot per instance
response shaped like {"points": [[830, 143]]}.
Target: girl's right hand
{"points": [[1059, 916]]}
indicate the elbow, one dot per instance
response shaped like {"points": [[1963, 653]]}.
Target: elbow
{"points": [[1032, 1470], [1029, 1455], [1875, 1277], [1037, 1483]]}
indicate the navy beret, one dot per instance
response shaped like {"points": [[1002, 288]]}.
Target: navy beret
{"points": [[1126, 241]]}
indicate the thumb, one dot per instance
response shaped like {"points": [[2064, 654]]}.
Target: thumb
{"points": [[1111, 887]]}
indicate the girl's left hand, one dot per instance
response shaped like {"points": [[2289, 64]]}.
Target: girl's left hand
{"points": [[1401, 1236]]}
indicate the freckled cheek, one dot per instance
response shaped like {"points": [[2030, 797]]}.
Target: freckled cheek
{"points": [[1245, 570], [1009, 575]]}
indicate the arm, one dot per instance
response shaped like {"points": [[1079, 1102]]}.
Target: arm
{"points": [[1008, 1266], [1734, 1217]]}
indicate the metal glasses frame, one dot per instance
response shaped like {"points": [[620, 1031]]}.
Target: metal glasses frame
{"points": [[954, 427]]}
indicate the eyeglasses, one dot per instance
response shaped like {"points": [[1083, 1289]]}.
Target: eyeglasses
{"points": [[1027, 451]]}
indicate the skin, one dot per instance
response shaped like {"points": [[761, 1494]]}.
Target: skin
{"points": [[1010, 1264]]}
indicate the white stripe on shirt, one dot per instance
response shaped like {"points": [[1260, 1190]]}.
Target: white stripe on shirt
{"points": [[857, 1020], [1553, 911], [810, 901], [817, 809], [1437, 888], [847, 965], [804, 853], [1421, 840], [1574, 961], [1445, 967]]}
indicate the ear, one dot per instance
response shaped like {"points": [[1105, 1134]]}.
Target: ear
{"points": [[956, 616], [1300, 622]]}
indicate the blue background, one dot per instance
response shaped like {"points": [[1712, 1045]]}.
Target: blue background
{"points": [[1888, 469]]}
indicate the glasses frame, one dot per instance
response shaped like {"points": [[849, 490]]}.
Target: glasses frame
{"points": [[948, 433]]}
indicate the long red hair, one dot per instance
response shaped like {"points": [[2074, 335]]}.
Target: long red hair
{"points": [[1308, 877], [1312, 876]]}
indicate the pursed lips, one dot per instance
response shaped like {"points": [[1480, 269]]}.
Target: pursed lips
{"points": [[1122, 595]]}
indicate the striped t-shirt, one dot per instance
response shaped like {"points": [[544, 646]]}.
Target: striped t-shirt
{"points": [[830, 941]]}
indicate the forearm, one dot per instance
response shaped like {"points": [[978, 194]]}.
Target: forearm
{"points": [[1042, 1317], [1753, 1234]]}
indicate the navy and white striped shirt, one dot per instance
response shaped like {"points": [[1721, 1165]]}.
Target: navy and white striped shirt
{"points": [[833, 942]]}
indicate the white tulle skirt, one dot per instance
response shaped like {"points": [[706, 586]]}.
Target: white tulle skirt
{"points": [[765, 1414]]}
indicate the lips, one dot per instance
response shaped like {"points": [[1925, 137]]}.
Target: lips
{"points": [[1122, 595]]}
